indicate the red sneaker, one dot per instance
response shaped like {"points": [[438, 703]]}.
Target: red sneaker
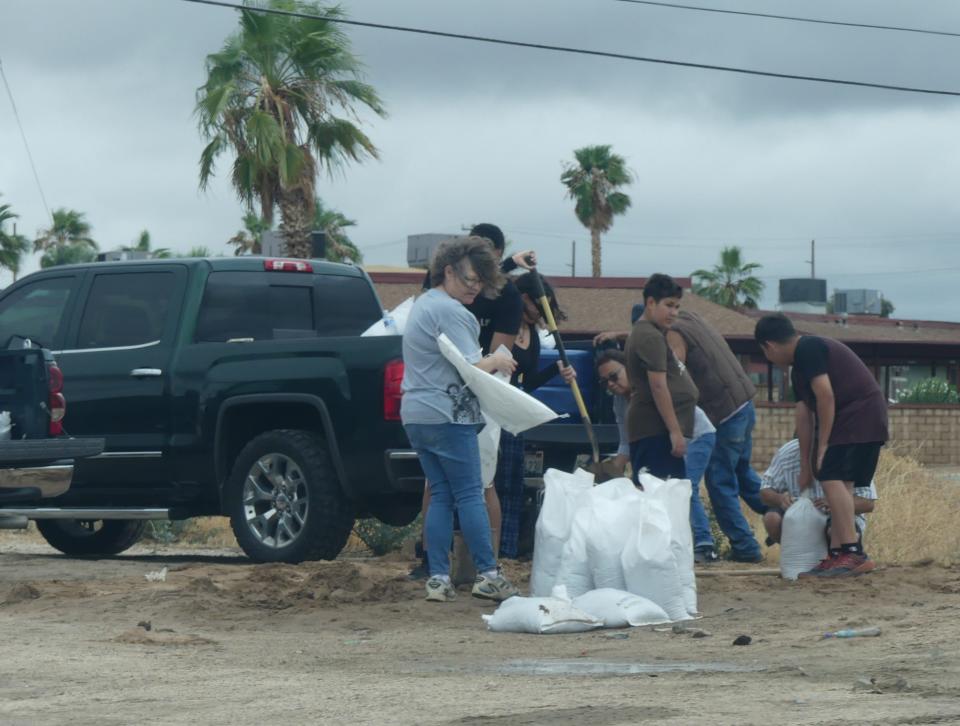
{"points": [[825, 564], [849, 564]]}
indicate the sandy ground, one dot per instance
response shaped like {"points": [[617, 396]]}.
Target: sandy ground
{"points": [[221, 641]]}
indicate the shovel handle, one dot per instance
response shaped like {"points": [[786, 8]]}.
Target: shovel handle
{"points": [[574, 388]]}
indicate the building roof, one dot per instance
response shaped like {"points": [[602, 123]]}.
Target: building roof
{"points": [[593, 305], [872, 328]]}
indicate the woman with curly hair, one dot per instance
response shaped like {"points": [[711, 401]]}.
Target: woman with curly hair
{"points": [[441, 415]]}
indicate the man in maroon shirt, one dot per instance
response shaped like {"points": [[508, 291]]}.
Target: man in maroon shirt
{"points": [[835, 391]]}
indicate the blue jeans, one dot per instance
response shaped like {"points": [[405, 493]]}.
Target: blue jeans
{"points": [[450, 457], [730, 478], [698, 457]]}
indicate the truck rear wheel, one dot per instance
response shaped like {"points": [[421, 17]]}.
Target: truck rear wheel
{"points": [[284, 499], [91, 537]]}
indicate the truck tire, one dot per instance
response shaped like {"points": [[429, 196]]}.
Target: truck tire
{"points": [[284, 500], [91, 537]]}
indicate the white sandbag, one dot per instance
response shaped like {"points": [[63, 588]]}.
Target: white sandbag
{"points": [[401, 314], [393, 322], [489, 442], [674, 494], [650, 563], [619, 609], [803, 542], [574, 572], [384, 326], [546, 339], [562, 495], [541, 615], [512, 408], [615, 508]]}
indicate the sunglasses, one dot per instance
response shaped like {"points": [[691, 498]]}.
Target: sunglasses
{"points": [[610, 378]]}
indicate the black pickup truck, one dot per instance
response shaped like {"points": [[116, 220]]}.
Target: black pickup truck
{"points": [[36, 460], [232, 386]]}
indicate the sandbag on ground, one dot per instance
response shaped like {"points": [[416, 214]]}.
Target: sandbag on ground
{"points": [[803, 542], [620, 609], [541, 615]]}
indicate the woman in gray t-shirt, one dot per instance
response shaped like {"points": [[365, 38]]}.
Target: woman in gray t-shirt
{"points": [[441, 415]]}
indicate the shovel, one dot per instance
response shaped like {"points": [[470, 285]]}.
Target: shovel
{"points": [[581, 406]]}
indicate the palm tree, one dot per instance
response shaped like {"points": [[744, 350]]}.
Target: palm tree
{"points": [[332, 224], [592, 182], [271, 98], [13, 246], [143, 245], [248, 240], [67, 240], [67, 255], [731, 283]]}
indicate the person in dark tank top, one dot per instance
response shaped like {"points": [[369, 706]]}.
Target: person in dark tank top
{"points": [[839, 399]]}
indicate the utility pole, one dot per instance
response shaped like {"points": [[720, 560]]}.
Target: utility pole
{"points": [[813, 259], [573, 258]]}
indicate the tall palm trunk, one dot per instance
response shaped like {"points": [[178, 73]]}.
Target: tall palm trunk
{"points": [[296, 210], [595, 250]]}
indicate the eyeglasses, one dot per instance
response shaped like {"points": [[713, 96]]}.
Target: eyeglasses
{"points": [[610, 378], [470, 282]]}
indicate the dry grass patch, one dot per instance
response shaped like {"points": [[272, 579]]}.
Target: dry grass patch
{"points": [[917, 514]]}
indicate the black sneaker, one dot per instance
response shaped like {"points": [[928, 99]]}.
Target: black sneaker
{"points": [[705, 555], [752, 558], [420, 571]]}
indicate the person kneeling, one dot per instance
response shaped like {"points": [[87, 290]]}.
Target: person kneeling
{"points": [[781, 487]]}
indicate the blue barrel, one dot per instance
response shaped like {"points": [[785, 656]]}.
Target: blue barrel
{"points": [[556, 394]]}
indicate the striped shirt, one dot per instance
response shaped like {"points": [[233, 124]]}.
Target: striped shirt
{"points": [[784, 476]]}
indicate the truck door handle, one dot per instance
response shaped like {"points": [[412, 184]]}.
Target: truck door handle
{"points": [[146, 373]]}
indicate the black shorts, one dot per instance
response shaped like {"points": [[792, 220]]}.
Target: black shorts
{"points": [[855, 463]]}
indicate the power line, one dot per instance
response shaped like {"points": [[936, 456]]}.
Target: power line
{"points": [[640, 240], [16, 116], [819, 21], [581, 51], [879, 273]]}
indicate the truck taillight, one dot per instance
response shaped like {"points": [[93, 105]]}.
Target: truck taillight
{"points": [[392, 382], [287, 266], [57, 403]]}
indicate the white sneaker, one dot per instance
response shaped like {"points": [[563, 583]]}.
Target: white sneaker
{"points": [[494, 588], [440, 590]]}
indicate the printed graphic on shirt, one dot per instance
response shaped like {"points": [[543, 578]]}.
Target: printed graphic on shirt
{"points": [[465, 406]]}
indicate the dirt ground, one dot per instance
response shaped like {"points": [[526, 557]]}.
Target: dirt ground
{"points": [[352, 642]]}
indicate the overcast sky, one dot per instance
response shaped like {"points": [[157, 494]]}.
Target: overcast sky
{"points": [[106, 89]]}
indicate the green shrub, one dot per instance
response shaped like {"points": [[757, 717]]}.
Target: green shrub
{"points": [[382, 538], [932, 390], [163, 531]]}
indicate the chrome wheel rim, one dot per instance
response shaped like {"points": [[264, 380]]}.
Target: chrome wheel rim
{"points": [[275, 500]]}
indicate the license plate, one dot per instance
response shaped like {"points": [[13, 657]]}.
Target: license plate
{"points": [[533, 463]]}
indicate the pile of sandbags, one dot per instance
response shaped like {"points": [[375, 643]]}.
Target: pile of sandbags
{"points": [[606, 543]]}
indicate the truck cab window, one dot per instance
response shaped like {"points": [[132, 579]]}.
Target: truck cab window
{"points": [[126, 309], [36, 310]]}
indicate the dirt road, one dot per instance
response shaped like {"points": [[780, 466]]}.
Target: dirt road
{"points": [[351, 642]]}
